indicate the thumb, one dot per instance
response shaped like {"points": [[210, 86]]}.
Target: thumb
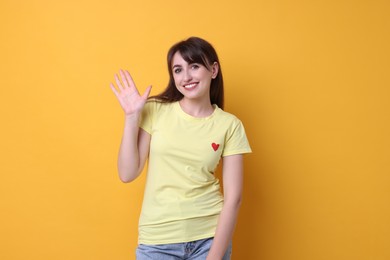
{"points": [[147, 92]]}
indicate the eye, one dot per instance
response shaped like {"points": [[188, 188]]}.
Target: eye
{"points": [[194, 66], [177, 70]]}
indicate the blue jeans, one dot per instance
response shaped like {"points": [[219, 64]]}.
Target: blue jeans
{"points": [[195, 250]]}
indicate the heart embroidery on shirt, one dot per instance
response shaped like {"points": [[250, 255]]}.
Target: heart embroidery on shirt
{"points": [[215, 146]]}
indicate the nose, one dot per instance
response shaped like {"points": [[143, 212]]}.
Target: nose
{"points": [[187, 76]]}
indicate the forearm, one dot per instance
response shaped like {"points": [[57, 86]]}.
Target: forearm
{"points": [[232, 184], [129, 158], [225, 228]]}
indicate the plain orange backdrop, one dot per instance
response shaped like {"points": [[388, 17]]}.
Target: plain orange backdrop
{"points": [[309, 79]]}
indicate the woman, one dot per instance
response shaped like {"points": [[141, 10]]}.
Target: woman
{"points": [[183, 132]]}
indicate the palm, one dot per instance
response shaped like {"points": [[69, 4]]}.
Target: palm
{"points": [[128, 96]]}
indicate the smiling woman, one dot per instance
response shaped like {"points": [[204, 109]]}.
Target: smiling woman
{"points": [[193, 81], [193, 53], [184, 133]]}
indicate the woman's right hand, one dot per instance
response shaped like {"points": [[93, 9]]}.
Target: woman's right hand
{"points": [[128, 96]]}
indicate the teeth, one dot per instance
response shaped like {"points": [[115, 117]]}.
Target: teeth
{"points": [[190, 85]]}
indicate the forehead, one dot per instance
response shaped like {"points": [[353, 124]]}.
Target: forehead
{"points": [[178, 59]]}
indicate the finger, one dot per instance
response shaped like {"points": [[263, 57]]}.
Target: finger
{"points": [[147, 92], [114, 90], [131, 82], [118, 82], [130, 79], [117, 94], [124, 80]]}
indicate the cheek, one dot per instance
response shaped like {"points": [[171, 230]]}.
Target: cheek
{"points": [[177, 83], [207, 78], [206, 75], [176, 80]]}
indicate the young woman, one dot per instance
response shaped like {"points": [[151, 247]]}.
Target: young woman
{"points": [[183, 132]]}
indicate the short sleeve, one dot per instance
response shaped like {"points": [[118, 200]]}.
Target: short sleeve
{"points": [[236, 141], [147, 115]]}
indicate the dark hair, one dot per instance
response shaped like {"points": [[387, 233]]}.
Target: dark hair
{"points": [[193, 50]]}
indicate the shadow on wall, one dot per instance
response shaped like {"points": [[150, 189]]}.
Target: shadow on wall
{"points": [[245, 103], [247, 239], [249, 235]]}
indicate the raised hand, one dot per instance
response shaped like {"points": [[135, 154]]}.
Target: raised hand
{"points": [[128, 96]]}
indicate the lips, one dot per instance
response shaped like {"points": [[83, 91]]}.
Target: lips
{"points": [[190, 86]]}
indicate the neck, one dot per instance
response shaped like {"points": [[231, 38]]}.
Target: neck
{"points": [[196, 108]]}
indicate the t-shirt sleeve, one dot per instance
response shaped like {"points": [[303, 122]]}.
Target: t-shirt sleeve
{"points": [[147, 115], [236, 141]]}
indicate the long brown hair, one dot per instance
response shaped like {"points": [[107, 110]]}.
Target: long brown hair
{"points": [[193, 50]]}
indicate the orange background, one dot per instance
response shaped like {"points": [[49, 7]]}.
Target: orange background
{"points": [[309, 79]]}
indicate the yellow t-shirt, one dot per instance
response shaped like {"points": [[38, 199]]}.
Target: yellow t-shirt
{"points": [[182, 199]]}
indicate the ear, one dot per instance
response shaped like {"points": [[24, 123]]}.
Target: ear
{"points": [[214, 70]]}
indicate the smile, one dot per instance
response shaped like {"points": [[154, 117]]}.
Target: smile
{"points": [[190, 86]]}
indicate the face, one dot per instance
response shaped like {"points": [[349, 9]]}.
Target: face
{"points": [[193, 80]]}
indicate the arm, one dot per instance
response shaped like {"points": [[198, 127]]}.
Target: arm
{"points": [[134, 147], [232, 183], [134, 150]]}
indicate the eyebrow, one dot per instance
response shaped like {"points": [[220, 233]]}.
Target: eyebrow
{"points": [[176, 65]]}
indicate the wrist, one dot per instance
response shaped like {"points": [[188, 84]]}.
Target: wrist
{"points": [[133, 116], [132, 119]]}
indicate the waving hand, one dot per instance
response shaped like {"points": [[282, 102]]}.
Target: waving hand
{"points": [[128, 96]]}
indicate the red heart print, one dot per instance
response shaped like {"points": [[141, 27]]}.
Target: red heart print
{"points": [[215, 146]]}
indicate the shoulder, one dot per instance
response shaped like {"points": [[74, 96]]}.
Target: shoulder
{"points": [[236, 141], [157, 105], [227, 117]]}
